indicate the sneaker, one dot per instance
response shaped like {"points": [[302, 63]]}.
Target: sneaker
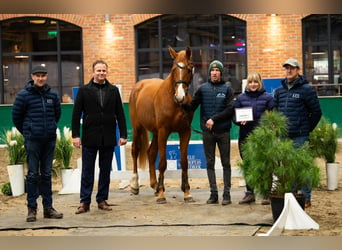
{"points": [[32, 214], [213, 199], [226, 199], [249, 198], [51, 213]]}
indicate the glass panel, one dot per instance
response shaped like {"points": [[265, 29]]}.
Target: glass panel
{"points": [[202, 34], [337, 53], [29, 35], [316, 64], [234, 31], [336, 28], [148, 65], [71, 76], [315, 28], [16, 75], [71, 37], [190, 30], [235, 67], [148, 34]]}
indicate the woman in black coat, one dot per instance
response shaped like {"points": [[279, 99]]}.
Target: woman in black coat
{"points": [[256, 98]]}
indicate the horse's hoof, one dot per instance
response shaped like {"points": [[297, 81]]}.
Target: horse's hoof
{"points": [[161, 200], [135, 191], [188, 199]]}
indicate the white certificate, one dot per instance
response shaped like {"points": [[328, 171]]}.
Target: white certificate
{"points": [[244, 114]]}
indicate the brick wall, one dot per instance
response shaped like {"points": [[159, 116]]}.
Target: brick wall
{"points": [[270, 41]]}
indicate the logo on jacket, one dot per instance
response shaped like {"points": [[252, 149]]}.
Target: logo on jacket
{"points": [[221, 95], [295, 95], [50, 101]]}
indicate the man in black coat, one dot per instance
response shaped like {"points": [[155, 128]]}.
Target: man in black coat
{"points": [[99, 104]]}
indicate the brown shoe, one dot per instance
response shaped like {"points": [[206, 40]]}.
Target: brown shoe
{"points": [[51, 213], [31, 214], [103, 205], [307, 204], [249, 198], [83, 208]]}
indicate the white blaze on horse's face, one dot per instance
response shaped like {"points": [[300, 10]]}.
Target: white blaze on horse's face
{"points": [[180, 92]]}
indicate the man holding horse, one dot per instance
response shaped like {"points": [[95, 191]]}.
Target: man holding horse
{"points": [[216, 100]]}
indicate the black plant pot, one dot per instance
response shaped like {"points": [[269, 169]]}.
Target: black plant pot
{"points": [[277, 204]]}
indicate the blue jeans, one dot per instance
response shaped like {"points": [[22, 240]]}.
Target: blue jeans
{"points": [[38, 180], [222, 140], [88, 169], [298, 142]]}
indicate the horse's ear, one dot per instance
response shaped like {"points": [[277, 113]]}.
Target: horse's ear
{"points": [[173, 53], [188, 52]]}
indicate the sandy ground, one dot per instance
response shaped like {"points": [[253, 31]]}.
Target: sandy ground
{"points": [[326, 207]]}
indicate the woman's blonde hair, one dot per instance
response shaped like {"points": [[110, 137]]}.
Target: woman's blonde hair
{"points": [[254, 77]]}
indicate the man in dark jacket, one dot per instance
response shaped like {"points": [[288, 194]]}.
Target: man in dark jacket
{"points": [[100, 104], [216, 100], [298, 101], [36, 112]]}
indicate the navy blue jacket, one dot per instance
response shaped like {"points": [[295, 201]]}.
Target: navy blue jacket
{"points": [[300, 105], [216, 101], [259, 101], [36, 112], [102, 108]]}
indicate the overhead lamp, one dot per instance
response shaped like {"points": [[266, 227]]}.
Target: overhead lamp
{"points": [[21, 57], [107, 18], [37, 21]]}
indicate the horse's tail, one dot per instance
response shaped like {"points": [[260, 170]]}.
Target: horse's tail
{"points": [[143, 148]]}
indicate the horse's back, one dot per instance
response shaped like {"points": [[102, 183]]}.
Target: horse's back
{"points": [[142, 99]]}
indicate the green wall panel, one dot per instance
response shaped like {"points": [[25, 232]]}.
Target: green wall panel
{"points": [[331, 107]]}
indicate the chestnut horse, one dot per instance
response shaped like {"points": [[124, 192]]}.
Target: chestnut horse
{"points": [[155, 106]]}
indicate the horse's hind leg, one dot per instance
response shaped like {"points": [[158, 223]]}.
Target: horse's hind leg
{"points": [[152, 156], [134, 182]]}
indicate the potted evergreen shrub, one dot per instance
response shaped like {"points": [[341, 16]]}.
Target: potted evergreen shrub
{"points": [[272, 165], [324, 144]]}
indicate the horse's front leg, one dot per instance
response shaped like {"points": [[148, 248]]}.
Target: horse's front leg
{"points": [[161, 167], [184, 143]]}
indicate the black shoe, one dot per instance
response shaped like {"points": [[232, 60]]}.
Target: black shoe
{"points": [[213, 199], [226, 199], [51, 213], [32, 214], [247, 199]]}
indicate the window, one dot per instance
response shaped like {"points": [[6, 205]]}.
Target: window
{"points": [[29, 41], [210, 37], [322, 45]]}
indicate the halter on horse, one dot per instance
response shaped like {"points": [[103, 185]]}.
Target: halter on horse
{"points": [[155, 106]]}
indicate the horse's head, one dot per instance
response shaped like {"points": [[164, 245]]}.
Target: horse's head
{"points": [[181, 73]]}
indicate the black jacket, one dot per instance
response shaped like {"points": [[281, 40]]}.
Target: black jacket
{"points": [[300, 105], [102, 108], [216, 100], [36, 112], [259, 101]]}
